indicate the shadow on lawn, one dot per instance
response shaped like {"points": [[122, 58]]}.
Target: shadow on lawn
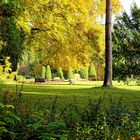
{"points": [[82, 94], [76, 89], [129, 98]]}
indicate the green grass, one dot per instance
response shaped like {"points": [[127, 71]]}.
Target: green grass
{"points": [[81, 92], [45, 109]]}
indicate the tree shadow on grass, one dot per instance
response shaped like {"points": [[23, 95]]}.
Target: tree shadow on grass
{"points": [[82, 94]]}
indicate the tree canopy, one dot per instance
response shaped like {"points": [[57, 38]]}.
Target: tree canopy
{"points": [[59, 33], [126, 45]]}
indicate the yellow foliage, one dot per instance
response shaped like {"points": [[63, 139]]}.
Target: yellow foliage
{"points": [[70, 34], [6, 71], [23, 22]]}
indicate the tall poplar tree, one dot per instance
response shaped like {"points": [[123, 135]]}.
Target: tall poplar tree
{"points": [[108, 45]]}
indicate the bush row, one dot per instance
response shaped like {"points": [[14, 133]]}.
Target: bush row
{"points": [[84, 72]]}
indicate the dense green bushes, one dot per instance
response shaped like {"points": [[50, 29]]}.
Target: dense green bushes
{"points": [[43, 120], [8, 120]]}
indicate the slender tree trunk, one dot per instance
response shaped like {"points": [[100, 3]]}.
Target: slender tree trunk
{"points": [[108, 45]]}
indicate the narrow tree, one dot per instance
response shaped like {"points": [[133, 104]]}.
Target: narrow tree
{"points": [[108, 45], [48, 75], [43, 72], [92, 71], [60, 73], [84, 73], [70, 74]]}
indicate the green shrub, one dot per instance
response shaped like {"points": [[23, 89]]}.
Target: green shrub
{"points": [[70, 73], [138, 81], [48, 74], [92, 72], [20, 78], [8, 120], [43, 72], [60, 73], [84, 73], [132, 81]]}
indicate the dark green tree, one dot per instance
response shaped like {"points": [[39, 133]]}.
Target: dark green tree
{"points": [[126, 44], [9, 33], [48, 75]]}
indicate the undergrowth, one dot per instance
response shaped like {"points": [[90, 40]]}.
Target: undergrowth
{"points": [[52, 121]]}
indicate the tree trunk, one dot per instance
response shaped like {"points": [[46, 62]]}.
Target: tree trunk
{"points": [[108, 45]]}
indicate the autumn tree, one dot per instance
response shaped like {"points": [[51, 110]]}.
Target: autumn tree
{"points": [[67, 33], [63, 31], [60, 33]]}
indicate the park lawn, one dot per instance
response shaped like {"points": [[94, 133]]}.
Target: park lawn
{"points": [[81, 93], [61, 109]]}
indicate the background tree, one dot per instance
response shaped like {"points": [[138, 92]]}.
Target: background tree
{"points": [[61, 29], [126, 44], [9, 33], [43, 72], [70, 74], [84, 73], [60, 73], [92, 71], [48, 73], [108, 45], [55, 32]]}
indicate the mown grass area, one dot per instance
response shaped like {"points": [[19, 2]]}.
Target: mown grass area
{"points": [[81, 92], [69, 112]]}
